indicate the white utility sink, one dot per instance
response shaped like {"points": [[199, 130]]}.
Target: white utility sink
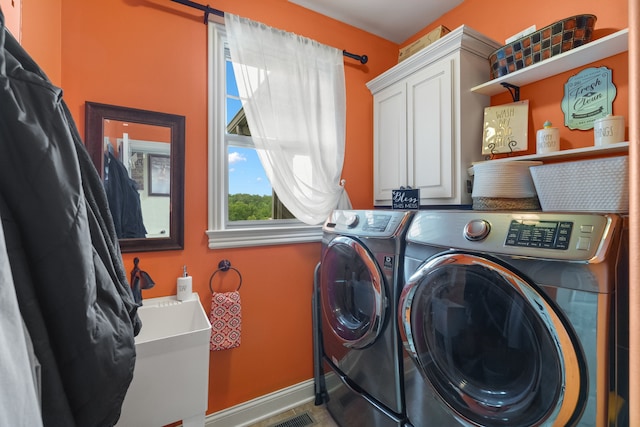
{"points": [[171, 376]]}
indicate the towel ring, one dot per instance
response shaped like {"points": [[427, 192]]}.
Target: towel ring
{"points": [[224, 265]]}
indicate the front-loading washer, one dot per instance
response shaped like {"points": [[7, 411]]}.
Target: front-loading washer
{"points": [[508, 318], [358, 282]]}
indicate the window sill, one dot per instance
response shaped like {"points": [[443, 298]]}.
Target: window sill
{"points": [[266, 236]]}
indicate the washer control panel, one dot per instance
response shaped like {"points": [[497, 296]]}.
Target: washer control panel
{"points": [[539, 234], [548, 235]]}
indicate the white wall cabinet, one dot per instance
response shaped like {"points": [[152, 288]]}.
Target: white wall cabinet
{"points": [[427, 122]]}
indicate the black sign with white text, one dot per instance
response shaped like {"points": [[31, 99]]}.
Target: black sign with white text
{"points": [[405, 199]]}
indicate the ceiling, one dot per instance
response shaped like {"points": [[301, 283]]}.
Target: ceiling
{"points": [[392, 20]]}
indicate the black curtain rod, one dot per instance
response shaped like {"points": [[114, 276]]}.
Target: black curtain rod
{"points": [[209, 10]]}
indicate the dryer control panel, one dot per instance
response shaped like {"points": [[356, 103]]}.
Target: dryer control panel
{"points": [[366, 223]]}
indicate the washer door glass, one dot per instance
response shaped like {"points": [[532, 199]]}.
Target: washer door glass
{"points": [[490, 343], [352, 292]]}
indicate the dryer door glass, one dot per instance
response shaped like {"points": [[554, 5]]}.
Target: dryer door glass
{"points": [[352, 292], [489, 343]]}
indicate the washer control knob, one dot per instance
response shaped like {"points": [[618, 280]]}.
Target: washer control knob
{"points": [[476, 229], [351, 221]]}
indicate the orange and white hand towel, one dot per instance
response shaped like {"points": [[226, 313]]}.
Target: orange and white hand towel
{"points": [[226, 320]]}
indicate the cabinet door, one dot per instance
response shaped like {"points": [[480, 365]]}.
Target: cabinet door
{"points": [[389, 142], [430, 135]]}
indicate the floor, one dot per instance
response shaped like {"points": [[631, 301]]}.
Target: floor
{"points": [[318, 417]]}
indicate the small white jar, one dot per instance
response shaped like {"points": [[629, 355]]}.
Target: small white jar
{"points": [[547, 139], [608, 130]]}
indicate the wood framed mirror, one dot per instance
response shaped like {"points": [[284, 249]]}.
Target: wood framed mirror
{"points": [[140, 156]]}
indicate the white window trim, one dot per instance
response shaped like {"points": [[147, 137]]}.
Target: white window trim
{"points": [[221, 234]]}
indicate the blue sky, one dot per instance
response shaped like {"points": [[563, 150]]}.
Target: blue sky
{"points": [[246, 174]]}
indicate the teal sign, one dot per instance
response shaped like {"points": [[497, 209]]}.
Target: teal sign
{"points": [[588, 96]]}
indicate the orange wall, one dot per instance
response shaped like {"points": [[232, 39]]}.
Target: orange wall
{"points": [[151, 54], [40, 33], [12, 11]]}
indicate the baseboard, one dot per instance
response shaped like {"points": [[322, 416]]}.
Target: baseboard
{"points": [[263, 407]]}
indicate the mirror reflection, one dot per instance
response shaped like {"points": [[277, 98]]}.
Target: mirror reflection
{"points": [[140, 155], [136, 172]]}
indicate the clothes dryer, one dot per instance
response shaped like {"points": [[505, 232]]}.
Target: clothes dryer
{"points": [[508, 318], [358, 284]]}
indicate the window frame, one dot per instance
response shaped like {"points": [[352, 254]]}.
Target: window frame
{"points": [[221, 232]]}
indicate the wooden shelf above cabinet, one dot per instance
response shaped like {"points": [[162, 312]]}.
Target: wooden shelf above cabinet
{"points": [[574, 153], [601, 48]]}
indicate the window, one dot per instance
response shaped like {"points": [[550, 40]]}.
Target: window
{"points": [[243, 209]]}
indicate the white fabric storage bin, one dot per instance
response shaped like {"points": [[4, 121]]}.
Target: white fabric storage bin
{"points": [[598, 185]]}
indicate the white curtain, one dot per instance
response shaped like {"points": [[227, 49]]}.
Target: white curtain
{"points": [[293, 95]]}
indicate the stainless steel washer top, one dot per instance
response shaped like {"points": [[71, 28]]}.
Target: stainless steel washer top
{"points": [[556, 236]]}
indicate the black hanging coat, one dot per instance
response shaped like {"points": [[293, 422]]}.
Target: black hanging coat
{"points": [[70, 281], [124, 200]]}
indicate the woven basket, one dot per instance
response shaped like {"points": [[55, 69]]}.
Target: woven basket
{"points": [[510, 179], [505, 204], [552, 40]]}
